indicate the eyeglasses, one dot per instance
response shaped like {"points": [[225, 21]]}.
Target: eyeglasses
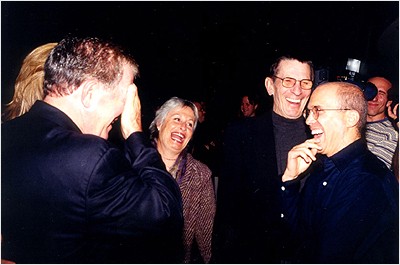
{"points": [[315, 112], [289, 82]]}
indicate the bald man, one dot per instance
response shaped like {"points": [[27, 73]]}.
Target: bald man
{"points": [[381, 136], [348, 209]]}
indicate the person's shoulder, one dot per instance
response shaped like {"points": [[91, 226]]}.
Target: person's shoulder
{"points": [[89, 140], [366, 175], [374, 166], [88, 147], [374, 177], [384, 123], [197, 165], [367, 167]]}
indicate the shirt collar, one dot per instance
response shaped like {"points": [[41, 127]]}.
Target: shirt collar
{"points": [[348, 154], [383, 120]]}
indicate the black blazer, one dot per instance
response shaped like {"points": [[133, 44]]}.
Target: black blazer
{"points": [[248, 226], [68, 197]]}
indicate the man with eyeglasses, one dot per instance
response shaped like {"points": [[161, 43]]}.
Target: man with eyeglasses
{"points": [[248, 227], [348, 210]]}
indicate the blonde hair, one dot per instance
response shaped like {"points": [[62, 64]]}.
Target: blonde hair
{"points": [[29, 83]]}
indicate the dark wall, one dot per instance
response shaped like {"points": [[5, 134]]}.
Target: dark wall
{"points": [[213, 50]]}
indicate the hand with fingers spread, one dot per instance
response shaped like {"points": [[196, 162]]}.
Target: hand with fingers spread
{"points": [[300, 158], [131, 115]]}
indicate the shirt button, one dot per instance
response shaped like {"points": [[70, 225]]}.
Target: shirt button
{"points": [[324, 183], [283, 188]]}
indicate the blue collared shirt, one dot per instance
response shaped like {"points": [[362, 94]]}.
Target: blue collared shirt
{"points": [[347, 212]]}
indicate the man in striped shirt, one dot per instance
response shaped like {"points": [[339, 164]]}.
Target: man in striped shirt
{"points": [[381, 136]]}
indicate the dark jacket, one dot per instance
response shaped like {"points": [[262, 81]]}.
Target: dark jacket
{"points": [[348, 210], [248, 227], [68, 197]]}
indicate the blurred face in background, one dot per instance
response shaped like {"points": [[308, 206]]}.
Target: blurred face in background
{"points": [[201, 110], [289, 102], [248, 109]]}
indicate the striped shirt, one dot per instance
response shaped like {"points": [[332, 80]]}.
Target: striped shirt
{"points": [[382, 139]]}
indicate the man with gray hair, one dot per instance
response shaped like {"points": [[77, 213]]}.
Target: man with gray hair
{"points": [[68, 194]]}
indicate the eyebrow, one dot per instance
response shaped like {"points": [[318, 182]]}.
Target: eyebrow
{"points": [[382, 92]]}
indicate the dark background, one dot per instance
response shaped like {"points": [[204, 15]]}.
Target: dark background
{"points": [[212, 50]]}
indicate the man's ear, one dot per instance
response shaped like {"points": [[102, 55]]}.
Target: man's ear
{"points": [[89, 88], [269, 85], [352, 118]]}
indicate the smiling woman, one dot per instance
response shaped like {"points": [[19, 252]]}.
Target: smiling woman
{"points": [[171, 130]]}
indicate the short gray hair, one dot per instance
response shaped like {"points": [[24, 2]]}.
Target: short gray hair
{"points": [[165, 108], [352, 97]]}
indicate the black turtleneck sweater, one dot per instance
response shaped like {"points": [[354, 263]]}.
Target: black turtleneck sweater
{"points": [[288, 133]]}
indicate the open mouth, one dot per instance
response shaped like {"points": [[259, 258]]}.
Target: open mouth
{"points": [[317, 133], [373, 105], [295, 101], [177, 137]]}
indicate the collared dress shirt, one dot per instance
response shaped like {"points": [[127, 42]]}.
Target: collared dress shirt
{"points": [[347, 212]]}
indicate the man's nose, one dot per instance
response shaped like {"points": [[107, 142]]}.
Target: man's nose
{"points": [[296, 89], [310, 119]]}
